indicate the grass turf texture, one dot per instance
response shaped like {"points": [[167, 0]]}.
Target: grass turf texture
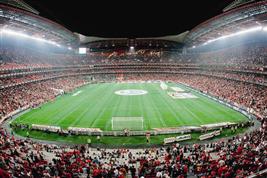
{"points": [[96, 104]]}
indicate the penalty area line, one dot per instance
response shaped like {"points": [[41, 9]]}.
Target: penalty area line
{"points": [[77, 93]]}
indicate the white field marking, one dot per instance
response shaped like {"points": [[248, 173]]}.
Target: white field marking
{"points": [[131, 92], [177, 89], [178, 95], [163, 86], [77, 93]]}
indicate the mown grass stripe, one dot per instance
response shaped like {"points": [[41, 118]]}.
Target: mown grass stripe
{"points": [[97, 104]]}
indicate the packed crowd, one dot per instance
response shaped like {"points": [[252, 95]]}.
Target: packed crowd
{"points": [[21, 77], [246, 56], [259, 78], [247, 95], [238, 157], [33, 94], [246, 77], [243, 58], [251, 56], [242, 94]]}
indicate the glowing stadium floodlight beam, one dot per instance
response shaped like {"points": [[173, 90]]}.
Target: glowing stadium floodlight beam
{"points": [[254, 29], [23, 35]]}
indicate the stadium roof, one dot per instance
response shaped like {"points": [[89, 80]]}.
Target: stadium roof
{"points": [[20, 20], [232, 21], [240, 14], [237, 3], [19, 4], [174, 38]]}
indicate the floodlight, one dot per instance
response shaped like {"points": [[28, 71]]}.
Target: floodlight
{"points": [[253, 29]]}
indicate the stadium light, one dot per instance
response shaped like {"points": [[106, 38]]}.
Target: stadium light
{"points": [[132, 50], [254, 29], [82, 50], [23, 35]]}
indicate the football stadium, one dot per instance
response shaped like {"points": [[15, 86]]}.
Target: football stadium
{"points": [[191, 103]]}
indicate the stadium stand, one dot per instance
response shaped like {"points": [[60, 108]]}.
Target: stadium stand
{"points": [[236, 157], [242, 85], [30, 77]]}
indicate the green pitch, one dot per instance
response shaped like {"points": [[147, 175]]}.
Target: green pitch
{"points": [[94, 106]]}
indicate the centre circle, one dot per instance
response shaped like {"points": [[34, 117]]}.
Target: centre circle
{"points": [[131, 92]]}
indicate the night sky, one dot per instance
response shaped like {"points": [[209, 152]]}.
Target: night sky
{"points": [[129, 19]]}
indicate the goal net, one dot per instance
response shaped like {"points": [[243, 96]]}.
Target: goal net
{"points": [[130, 123]]}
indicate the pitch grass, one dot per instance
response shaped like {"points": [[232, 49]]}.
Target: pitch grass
{"points": [[96, 104]]}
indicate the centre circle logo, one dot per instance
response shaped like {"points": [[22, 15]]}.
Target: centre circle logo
{"points": [[131, 92]]}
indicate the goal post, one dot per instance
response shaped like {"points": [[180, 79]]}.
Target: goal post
{"points": [[130, 123]]}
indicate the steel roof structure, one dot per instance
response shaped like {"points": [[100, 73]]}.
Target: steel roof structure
{"points": [[20, 4], [32, 24], [232, 21], [242, 14]]}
